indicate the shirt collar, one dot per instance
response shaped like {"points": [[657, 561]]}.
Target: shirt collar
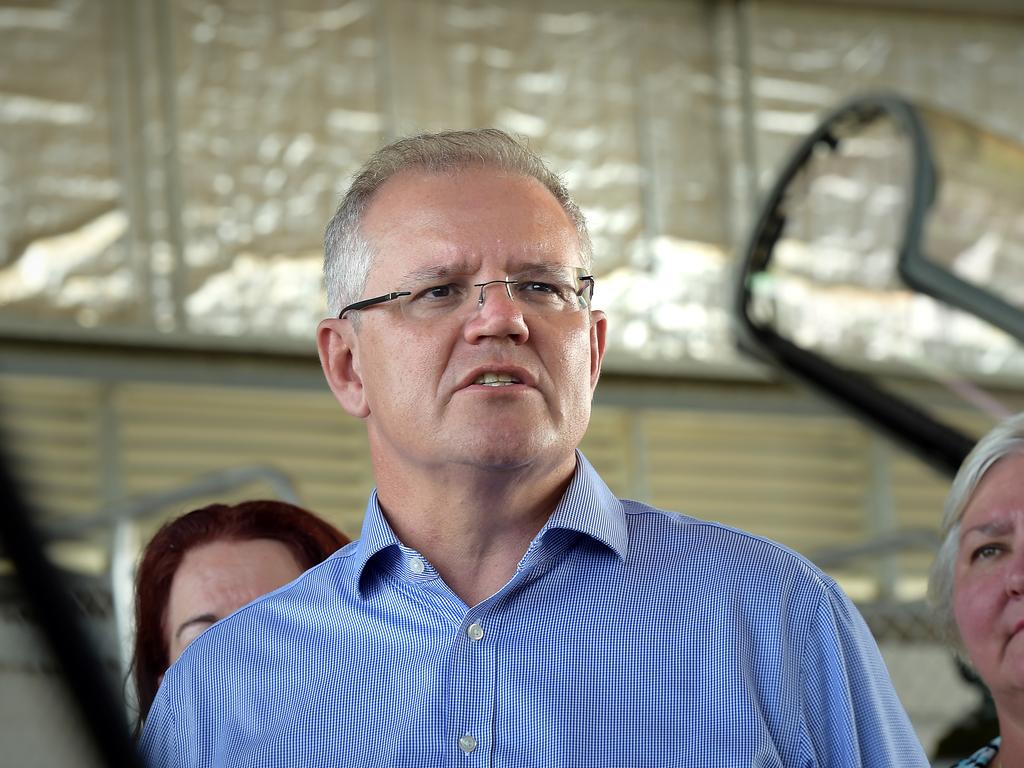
{"points": [[375, 536], [588, 507]]}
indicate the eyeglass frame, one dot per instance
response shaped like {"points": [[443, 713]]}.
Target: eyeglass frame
{"points": [[374, 301]]}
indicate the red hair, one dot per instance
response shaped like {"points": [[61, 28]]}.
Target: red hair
{"points": [[309, 538]]}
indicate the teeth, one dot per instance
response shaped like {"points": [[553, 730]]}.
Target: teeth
{"points": [[496, 379]]}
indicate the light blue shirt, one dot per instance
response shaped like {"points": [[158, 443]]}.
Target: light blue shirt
{"points": [[628, 636]]}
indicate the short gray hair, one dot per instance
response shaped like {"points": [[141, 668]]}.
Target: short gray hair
{"points": [[1005, 439], [348, 255]]}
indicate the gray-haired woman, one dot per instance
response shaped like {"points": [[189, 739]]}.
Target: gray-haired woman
{"points": [[977, 580]]}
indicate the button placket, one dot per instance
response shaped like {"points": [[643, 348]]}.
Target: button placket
{"points": [[473, 681]]}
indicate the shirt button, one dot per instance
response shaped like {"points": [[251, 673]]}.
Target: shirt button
{"points": [[416, 565], [475, 632], [467, 743]]}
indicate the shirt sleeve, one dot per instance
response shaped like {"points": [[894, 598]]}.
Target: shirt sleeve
{"points": [[854, 716]]}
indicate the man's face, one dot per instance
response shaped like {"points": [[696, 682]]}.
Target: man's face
{"points": [[418, 383]]}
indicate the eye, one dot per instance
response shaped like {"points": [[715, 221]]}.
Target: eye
{"points": [[986, 552], [440, 293], [537, 285], [541, 290]]}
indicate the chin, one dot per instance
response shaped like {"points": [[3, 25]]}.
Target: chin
{"points": [[502, 451]]}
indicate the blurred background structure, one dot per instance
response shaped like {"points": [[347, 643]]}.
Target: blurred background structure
{"points": [[167, 168]]}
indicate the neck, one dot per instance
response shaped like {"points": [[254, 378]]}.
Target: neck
{"points": [[473, 524], [1011, 731]]}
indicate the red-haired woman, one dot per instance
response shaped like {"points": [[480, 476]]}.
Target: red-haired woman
{"points": [[208, 563]]}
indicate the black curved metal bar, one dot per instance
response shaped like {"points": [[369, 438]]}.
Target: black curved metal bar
{"points": [[931, 278], [936, 443]]}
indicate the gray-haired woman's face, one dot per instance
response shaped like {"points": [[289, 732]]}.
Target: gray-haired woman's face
{"points": [[988, 581]]}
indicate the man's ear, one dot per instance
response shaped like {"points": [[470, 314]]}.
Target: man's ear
{"points": [[337, 345], [598, 336]]}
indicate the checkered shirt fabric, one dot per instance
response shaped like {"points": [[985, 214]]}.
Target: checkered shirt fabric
{"points": [[984, 756], [628, 636]]}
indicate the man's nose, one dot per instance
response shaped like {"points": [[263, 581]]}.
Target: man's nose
{"points": [[483, 290], [496, 315]]}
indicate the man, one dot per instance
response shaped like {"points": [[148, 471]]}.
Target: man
{"points": [[502, 607]]}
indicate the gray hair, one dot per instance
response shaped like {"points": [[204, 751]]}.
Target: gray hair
{"points": [[1006, 439], [348, 255]]}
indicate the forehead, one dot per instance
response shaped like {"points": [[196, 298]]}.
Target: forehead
{"points": [[472, 218], [999, 493], [229, 566]]}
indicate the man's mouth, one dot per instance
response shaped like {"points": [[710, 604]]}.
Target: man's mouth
{"points": [[496, 379]]}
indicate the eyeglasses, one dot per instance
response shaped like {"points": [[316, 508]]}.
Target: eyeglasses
{"points": [[537, 291]]}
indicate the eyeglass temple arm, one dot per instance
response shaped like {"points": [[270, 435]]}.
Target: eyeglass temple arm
{"points": [[370, 302], [589, 279]]}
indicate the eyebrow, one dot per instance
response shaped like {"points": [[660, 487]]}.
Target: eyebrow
{"points": [[464, 269], [993, 528], [203, 618], [438, 272]]}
